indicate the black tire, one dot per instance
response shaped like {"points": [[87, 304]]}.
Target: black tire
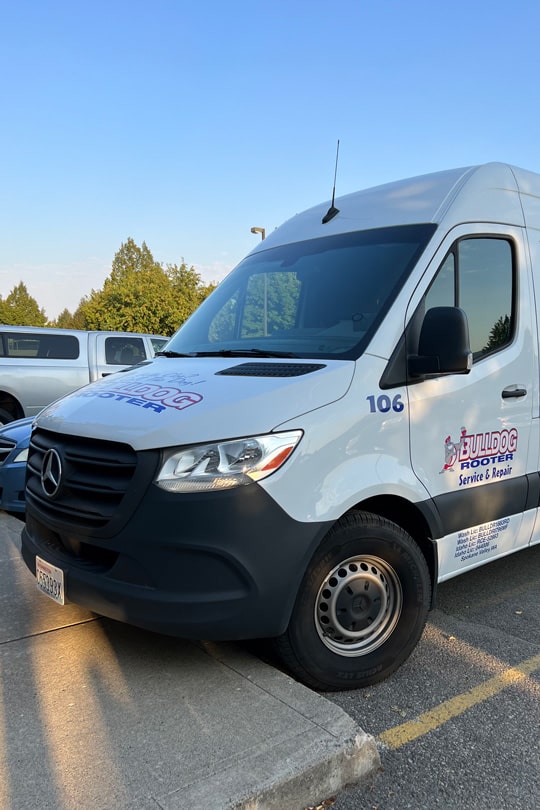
{"points": [[5, 417], [361, 607]]}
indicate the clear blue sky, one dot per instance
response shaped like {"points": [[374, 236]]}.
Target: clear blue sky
{"points": [[184, 124]]}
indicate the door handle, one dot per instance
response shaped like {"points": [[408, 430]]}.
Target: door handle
{"points": [[508, 393]]}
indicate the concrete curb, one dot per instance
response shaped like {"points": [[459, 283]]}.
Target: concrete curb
{"points": [[298, 772], [105, 715]]}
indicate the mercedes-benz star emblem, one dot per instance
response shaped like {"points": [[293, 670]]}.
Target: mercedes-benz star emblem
{"points": [[51, 473]]}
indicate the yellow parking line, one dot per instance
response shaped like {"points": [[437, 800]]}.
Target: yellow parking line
{"points": [[400, 735]]}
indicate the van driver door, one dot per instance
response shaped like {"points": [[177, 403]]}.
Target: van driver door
{"points": [[470, 434]]}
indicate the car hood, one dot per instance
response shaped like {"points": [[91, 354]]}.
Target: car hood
{"points": [[18, 431]]}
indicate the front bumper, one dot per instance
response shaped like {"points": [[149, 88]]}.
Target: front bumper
{"points": [[223, 565]]}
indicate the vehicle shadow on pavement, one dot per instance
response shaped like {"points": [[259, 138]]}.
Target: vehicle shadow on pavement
{"points": [[103, 714]]}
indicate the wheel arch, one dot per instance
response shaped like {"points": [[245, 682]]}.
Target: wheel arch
{"points": [[11, 405], [412, 520], [363, 603]]}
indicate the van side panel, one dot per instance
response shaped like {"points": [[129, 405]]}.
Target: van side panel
{"points": [[533, 213]]}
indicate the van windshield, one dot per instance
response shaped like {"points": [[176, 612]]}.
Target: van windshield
{"points": [[321, 298]]}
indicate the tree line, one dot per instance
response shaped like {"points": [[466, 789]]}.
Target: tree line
{"points": [[139, 295]]}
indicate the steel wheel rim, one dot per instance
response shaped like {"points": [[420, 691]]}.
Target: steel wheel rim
{"points": [[358, 605]]}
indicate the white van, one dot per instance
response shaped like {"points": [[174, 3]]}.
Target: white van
{"points": [[350, 418]]}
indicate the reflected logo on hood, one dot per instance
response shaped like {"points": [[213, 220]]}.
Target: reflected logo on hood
{"points": [[149, 396]]}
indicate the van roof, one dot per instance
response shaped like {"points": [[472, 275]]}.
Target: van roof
{"points": [[492, 192]]}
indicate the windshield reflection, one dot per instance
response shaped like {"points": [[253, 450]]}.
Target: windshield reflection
{"points": [[322, 298]]}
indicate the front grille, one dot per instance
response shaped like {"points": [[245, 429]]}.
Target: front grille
{"points": [[100, 482]]}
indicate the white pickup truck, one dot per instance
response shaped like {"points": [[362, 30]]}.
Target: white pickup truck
{"points": [[40, 365]]}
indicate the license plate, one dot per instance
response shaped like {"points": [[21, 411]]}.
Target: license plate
{"points": [[50, 580]]}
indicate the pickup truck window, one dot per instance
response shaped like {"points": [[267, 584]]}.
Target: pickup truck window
{"points": [[478, 276], [124, 351], [158, 343], [32, 345]]}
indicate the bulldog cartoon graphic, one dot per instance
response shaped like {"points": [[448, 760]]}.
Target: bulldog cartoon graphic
{"points": [[452, 450]]}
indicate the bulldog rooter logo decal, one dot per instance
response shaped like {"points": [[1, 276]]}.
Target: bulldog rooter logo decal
{"points": [[481, 453]]}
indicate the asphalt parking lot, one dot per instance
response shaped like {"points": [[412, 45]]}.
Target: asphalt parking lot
{"points": [[86, 718], [459, 725]]}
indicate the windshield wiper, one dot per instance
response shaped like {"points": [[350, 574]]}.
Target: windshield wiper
{"points": [[172, 354], [245, 353]]}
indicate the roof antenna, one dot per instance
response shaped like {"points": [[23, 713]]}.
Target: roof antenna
{"points": [[332, 211]]}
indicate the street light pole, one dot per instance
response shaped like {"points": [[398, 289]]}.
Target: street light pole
{"points": [[262, 232]]}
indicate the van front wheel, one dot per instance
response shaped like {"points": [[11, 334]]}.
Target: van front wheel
{"points": [[361, 608]]}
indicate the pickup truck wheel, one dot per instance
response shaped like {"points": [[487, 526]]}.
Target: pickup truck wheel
{"points": [[5, 417], [361, 608]]}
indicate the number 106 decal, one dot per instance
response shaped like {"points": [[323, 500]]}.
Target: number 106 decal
{"points": [[384, 403]]}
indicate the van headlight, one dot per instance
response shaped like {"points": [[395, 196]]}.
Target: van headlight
{"points": [[222, 465]]}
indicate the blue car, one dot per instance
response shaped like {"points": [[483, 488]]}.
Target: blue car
{"points": [[14, 441]]}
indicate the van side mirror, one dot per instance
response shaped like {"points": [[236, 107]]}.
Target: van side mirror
{"points": [[443, 345]]}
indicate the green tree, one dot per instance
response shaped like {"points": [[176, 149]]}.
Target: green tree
{"points": [[136, 297], [21, 309], [139, 301], [188, 287], [141, 296], [132, 258], [271, 304], [78, 320], [66, 321], [499, 334]]}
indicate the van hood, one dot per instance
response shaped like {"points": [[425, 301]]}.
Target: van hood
{"points": [[171, 401]]}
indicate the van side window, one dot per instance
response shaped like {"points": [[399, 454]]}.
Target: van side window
{"points": [[43, 346], [478, 276]]}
